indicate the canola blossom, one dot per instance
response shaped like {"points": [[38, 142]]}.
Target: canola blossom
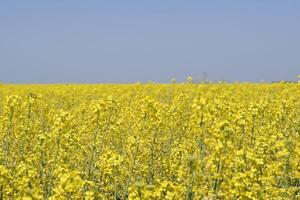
{"points": [[150, 141]]}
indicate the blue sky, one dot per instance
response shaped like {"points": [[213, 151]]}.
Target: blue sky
{"points": [[114, 41]]}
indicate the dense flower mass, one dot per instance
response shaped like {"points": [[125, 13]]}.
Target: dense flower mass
{"points": [[150, 141]]}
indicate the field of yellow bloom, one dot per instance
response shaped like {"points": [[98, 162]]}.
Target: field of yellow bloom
{"points": [[150, 141]]}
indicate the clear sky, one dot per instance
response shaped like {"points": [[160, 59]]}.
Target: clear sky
{"points": [[105, 41]]}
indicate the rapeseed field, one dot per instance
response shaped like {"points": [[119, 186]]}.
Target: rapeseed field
{"points": [[150, 141]]}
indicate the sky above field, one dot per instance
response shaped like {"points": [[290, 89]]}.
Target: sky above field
{"points": [[117, 41]]}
